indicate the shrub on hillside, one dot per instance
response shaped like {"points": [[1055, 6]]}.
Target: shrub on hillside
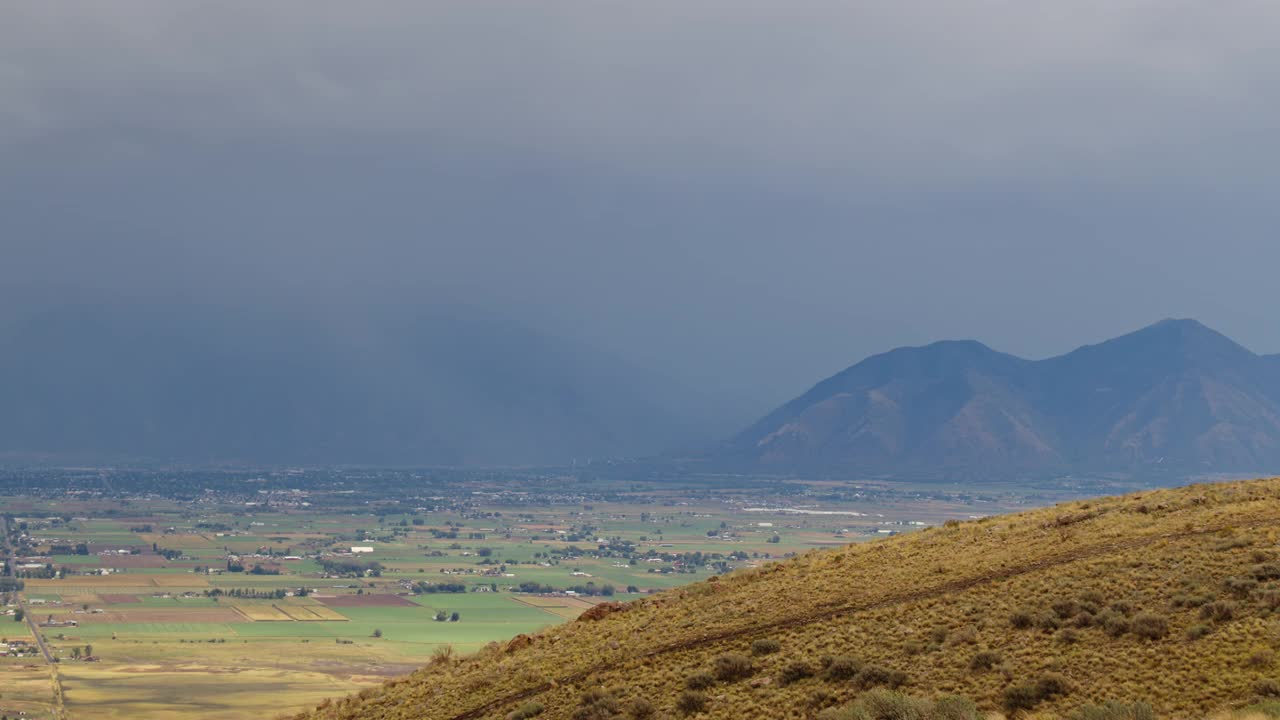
{"points": [[731, 666], [1267, 688], [822, 698], [1083, 619], [1266, 571], [1022, 620], [1092, 600], [872, 676], [1026, 696], [1149, 626], [1017, 698], [841, 667], [1112, 623], [691, 702], [890, 705], [1218, 611], [765, 646], [1047, 621], [597, 704], [640, 709], [700, 681], [985, 660], [1241, 587], [794, 671], [1065, 608], [1051, 685]]}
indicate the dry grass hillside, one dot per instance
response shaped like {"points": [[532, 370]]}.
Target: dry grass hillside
{"points": [[1167, 602]]}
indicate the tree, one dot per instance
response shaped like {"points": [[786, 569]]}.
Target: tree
{"points": [[377, 633], [441, 616], [88, 651], [18, 615], [75, 653], [455, 617]]}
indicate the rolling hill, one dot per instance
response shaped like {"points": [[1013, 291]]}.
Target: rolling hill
{"points": [[1174, 397], [1167, 599]]}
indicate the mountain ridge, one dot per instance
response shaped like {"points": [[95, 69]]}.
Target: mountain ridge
{"points": [[1175, 394]]}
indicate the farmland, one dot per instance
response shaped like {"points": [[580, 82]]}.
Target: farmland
{"points": [[204, 599]]}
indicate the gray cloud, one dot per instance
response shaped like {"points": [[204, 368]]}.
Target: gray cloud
{"points": [[747, 193], [889, 90]]}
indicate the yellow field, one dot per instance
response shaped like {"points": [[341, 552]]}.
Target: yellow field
{"points": [[307, 613], [166, 692], [263, 613], [27, 688]]}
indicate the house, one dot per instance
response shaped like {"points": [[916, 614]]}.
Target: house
{"points": [[361, 549]]}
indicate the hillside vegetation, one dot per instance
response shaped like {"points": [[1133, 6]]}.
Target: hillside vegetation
{"points": [[1163, 604]]}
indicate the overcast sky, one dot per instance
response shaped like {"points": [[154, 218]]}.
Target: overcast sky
{"points": [[746, 194]]}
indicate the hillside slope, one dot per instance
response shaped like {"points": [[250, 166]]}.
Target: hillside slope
{"points": [[1174, 396], [1168, 597]]}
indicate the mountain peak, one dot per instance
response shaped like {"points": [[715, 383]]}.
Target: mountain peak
{"points": [[1187, 328], [1172, 393], [1181, 342]]}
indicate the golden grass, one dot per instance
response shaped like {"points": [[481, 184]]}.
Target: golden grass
{"points": [[1090, 575]]}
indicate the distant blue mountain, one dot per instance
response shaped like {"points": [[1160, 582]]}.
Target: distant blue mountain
{"points": [[383, 386], [1173, 396]]}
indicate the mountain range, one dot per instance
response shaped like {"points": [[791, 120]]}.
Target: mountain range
{"points": [[204, 384], [453, 385], [1173, 396]]}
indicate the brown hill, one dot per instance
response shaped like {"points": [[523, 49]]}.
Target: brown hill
{"points": [[1168, 598]]}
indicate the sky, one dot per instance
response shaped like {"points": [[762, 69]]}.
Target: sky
{"points": [[738, 194]]}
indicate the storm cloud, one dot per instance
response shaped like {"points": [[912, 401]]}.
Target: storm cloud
{"points": [[748, 195]]}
